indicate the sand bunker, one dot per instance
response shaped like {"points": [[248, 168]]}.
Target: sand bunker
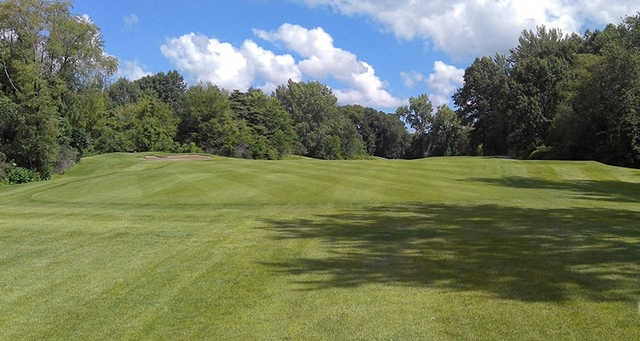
{"points": [[181, 157]]}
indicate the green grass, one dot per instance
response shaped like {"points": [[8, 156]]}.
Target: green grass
{"points": [[443, 248]]}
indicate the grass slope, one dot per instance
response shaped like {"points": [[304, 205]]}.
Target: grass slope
{"points": [[445, 248]]}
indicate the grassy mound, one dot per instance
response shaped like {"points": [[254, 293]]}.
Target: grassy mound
{"points": [[443, 248]]}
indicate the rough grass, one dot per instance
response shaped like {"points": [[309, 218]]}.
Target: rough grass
{"points": [[448, 248]]}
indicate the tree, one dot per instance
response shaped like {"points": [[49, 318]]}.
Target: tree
{"points": [[122, 92], [207, 121], [268, 121], [46, 55], [418, 116], [483, 104], [447, 135], [321, 131], [169, 87], [383, 135]]}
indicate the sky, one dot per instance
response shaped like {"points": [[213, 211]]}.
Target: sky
{"points": [[375, 53]]}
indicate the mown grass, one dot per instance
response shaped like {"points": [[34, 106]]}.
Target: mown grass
{"points": [[446, 248]]}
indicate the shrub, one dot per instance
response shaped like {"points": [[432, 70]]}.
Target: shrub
{"points": [[19, 175], [190, 147]]}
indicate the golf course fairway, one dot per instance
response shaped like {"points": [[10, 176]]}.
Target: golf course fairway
{"points": [[121, 247]]}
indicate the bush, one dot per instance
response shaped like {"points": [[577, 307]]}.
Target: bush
{"points": [[19, 175], [190, 147]]}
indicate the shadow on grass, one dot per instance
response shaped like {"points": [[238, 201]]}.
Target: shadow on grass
{"points": [[512, 253], [617, 191]]}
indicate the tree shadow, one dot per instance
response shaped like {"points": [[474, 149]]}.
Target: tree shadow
{"points": [[512, 253], [617, 191]]}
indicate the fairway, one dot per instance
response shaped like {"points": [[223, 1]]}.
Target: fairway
{"points": [[444, 248]]}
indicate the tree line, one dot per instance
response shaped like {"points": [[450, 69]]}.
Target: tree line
{"points": [[553, 96], [557, 96]]}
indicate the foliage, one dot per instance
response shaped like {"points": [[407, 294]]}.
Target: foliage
{"points": [[168, 88], [418, 114], [559, 96], [206, 119], [268, 121], [383, 135], [322, 131], [19, 175], [46, 55], [483, 104], [449, 137]]}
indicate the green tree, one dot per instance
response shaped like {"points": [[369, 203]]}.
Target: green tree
{"points": [[447, 135], [207, 120], [46, 55], [383, 135], [269, 122], [418, 115], [483, 104], [311, 106], [169, 87]]}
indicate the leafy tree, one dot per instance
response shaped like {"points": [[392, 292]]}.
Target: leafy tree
{"points": [[46, 54], [311, 105], [169, 87], [122, 92], [268, 121], [483, 104], [207, 121], [383, 135], [321, 131], [447, 135], [418, 115]]}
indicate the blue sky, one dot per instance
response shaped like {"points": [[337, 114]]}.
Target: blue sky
{"points": [[371, 52]]}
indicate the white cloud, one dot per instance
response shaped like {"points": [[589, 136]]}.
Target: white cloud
{"points": [[273, 69], [443, 82], [131, 70], [480, 27], [205, 59], [208, 60], [411, 78], [323, 60], [130, 20]]}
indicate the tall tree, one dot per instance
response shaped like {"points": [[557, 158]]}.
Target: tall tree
{"points": [[483, 104], [268, 121], [46, 54], [321, 131]]}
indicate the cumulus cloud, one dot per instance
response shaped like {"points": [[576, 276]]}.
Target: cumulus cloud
{"points": [[131, 70], [465, 28], [322, 59], [273, 69], [130, 20], [443, 82], [206, 59], [411, 78]]}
